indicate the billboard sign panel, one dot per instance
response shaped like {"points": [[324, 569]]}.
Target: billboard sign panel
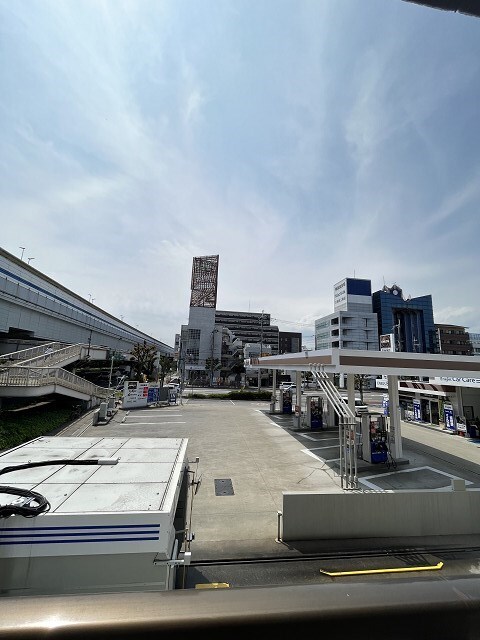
{"points": [[417, 414], [135, 394], [449, 417], [385, 404], [340, 294], [387, 342]]}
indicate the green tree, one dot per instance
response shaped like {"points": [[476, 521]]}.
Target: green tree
{"points": [[144, 363], [210, 365], [238, 368], [360, 382], [165, 365]]}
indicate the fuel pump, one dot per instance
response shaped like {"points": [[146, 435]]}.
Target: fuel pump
{"points": [[374, 438], [314, 416], [285, 401]]}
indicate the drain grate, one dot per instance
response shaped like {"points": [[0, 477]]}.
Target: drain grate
{"points": [[223, 487]]}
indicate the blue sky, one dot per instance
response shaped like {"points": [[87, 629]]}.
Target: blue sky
{"points": [[302, 141]]}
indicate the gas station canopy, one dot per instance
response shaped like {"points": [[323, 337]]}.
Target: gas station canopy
{"points": [[382, 363]]}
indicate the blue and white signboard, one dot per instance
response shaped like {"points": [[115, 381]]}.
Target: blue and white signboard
{"points": [[417, 413], [449, 417], [152, 395], [385, 404]]}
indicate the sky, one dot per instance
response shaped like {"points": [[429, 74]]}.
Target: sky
{"points": [[303, 141]]}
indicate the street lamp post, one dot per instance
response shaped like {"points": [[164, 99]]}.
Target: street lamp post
{"points": [[30, 259], [23, 249]]}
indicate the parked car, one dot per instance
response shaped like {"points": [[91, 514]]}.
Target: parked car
{"points": [[360, 407]]}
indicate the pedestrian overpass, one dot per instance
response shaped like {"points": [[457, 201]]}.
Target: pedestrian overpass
{"points": [[38, 371]]}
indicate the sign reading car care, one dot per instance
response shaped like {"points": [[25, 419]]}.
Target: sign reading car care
{"points": [[457, 382], [135, 394]]}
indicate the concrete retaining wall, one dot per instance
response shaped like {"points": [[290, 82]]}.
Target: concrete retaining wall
{"points": [[314, 516]]}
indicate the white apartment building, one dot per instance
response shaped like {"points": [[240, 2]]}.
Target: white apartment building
{"points": [[352, 325]]}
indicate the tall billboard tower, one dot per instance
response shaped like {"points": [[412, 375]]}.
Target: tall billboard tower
{"points": [[204, 282]]}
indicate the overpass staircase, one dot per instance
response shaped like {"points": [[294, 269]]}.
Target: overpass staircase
{"points": [[39, 371]]}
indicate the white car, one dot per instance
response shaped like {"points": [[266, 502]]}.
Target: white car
{"points": [[359, 406], [287, 386]]}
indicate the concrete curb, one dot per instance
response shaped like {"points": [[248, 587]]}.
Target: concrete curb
{"points": [[456, 460]]}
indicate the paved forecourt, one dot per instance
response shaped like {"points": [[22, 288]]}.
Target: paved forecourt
{"points": [[247, 458]]}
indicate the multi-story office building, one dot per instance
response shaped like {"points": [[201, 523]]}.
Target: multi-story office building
{"points": [[352, 325], [212, 340], [453, 339], [289, 342], [409, 319], [475, 342], [250, 327]]}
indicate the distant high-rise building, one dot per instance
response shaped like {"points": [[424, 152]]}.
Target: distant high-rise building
{"points": [[409, 319], [211, 340]]}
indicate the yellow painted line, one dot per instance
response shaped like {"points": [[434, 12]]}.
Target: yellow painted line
{"points": [[213, 585], [370, 571]]}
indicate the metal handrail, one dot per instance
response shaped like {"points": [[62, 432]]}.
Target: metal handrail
{"points": [[21, 376], [57, 356], [30, 353], [347, 428]]}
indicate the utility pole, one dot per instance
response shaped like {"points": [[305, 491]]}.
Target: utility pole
{"points": [[89, 343], [261, 350], [395, 339], [211, 358], [110, 375]]}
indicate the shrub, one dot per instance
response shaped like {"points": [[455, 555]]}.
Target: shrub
{"points": [[17, 428], [233, 395]]}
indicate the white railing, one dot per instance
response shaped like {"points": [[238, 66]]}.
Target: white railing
{"points": [[347, 428], [30, 353], [20, 376], [57, 356]]}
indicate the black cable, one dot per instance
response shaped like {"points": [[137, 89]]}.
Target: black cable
{"points": [[46, 463], [25, 508]]}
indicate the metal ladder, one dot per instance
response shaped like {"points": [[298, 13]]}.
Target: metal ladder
{"points": [[347, 428]]}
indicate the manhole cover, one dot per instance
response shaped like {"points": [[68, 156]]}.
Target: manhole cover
{"points": [[223, 487]]}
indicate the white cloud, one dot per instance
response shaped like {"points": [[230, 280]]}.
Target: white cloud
{"points": [[138, 135]]}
